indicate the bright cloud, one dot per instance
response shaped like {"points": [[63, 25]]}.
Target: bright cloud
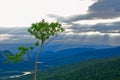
{"points": [[85, 21], [16, 13], [5, 36]]}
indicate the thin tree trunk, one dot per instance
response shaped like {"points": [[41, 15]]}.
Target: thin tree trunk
{"points": [[36, 62]]}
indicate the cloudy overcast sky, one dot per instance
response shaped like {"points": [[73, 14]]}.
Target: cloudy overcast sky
{"points": [[85, 21], [16, 13]]}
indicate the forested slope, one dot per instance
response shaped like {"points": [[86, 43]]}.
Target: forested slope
{"points": [[105, 69]]}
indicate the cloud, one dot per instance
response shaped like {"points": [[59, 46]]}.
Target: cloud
{"points": [[5, 36], [108, 33], [10, 38], [87, 36], [102, 9], [91, 37], [104, 28], [105, 6], [15, 35], [108, 28]]}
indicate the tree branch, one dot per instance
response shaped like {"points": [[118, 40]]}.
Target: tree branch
{"points": [[50, 40]]}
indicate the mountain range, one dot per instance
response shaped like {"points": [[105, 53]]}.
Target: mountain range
{"points": [[53, 58], [50, 59]]}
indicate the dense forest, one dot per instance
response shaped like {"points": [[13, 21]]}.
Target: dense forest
{"points": [[102, 69]]}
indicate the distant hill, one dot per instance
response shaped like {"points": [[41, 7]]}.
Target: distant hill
{"points": [[80, 63], [67, 56], [49, 59], [55, 47], [99, 53], [3, 55], [102, 69], [106, 69], [73, 55], [62, 57], [13, 47]]}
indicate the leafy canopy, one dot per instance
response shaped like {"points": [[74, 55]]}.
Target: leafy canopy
{"points": [[42, 31]]}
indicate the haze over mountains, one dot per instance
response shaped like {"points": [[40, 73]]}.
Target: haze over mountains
{"points": [[20, 35], [99, 23], [51, 58]]}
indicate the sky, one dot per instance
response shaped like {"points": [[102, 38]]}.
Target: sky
{"points": [[85, 21], [18, 13]]}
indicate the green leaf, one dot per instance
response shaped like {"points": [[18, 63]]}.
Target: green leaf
{"points": [[43, 30], [37, 43], [5, 62], [31, 47]]}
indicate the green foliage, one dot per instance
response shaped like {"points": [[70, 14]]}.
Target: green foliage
{"points": [[22, 48], [37, 43], [31, 47], [43, 30], [18, 56]]}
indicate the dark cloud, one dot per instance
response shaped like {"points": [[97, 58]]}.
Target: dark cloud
{"points": [[93, 34], [102, 9], [80, 34], [105, 6], [104, 28], [12, 30], [107, 28], [15, 35], [87, 38]]}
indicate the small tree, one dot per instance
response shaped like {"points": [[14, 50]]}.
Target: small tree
{"points": [[44, 32]]}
